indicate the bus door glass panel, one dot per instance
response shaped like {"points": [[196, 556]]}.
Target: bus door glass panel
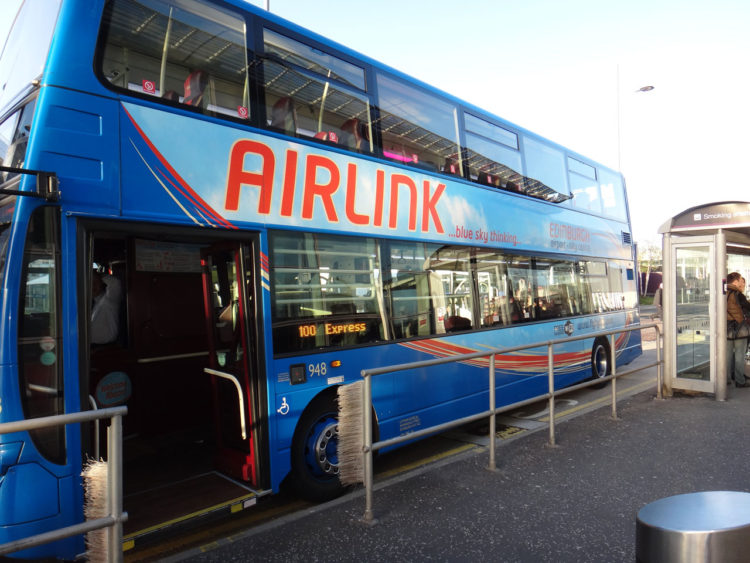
{"points": [[229, 304], [185, 52], [552, 279], [497, 303], [311, 93], [520, 287], [592, 283], [451, 288], [418, 128], [326, 292], [407, 289], [39, 336], [564, 288]]}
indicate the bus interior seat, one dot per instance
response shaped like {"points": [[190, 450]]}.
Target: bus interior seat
{"points": [[327, 136], [171, 95], [195, 88], [454, 323], [485, 178], [348, 309], [283, 116], [451, 167]]}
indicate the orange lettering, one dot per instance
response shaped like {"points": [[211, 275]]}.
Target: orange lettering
{"points": [[290, 178], [351, 188], [428, 207], [379, 189], [324, 191], [238, 176], [402, 180]]}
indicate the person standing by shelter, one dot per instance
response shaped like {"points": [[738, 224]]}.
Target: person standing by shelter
{"points": [[736, 343], [657, 300]]}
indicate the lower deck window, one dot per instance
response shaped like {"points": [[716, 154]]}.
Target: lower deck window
{"points": [[332, 291]]}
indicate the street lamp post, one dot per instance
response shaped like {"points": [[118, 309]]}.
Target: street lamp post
{"points": [[647, 88]]}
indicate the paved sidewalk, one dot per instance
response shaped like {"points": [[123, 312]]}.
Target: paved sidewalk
{"points": [[576, 502]]}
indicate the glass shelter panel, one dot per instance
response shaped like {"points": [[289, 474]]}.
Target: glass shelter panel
{"points": [[692, 301]]}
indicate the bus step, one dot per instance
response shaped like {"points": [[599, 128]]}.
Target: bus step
{"points": [[167, 507]]}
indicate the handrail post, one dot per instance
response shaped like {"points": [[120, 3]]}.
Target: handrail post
{"points": [[369, 516], [551, 386], [659, 372], [114, 488], [613, 358], [492, 466]]}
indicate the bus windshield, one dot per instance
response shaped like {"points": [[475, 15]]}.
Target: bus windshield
{"points": [[24, 53]]}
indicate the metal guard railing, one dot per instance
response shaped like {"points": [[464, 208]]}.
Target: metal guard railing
{"points": [[115, 516], [367, 374]]}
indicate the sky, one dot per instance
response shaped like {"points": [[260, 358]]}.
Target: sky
{"points": [[571, 71]]}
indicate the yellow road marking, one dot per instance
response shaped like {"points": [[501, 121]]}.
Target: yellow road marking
{"points": [[605, 399], [425, 461]]}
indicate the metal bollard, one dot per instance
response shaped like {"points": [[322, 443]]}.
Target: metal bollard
{"points": [[704, 527]]}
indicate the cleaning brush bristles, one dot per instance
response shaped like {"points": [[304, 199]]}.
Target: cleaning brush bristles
{"points": [[350, 445]]}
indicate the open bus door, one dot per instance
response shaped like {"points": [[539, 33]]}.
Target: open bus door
{"points": [[237, 380]]}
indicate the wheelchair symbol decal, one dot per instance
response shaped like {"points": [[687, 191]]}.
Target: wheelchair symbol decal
{"points": [[284, 408]]}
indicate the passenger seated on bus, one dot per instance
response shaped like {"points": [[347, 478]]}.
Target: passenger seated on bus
{"points": [[171, 95], [353, 134], [451, 167], [284, 116], [195, 89], [106, 292], [454, 323]]}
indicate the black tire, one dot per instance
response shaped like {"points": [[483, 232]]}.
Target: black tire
{"points": [[600, 361], [315, 469]]}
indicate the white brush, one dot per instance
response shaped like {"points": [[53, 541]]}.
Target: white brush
{"points": [[351, 442], [95, 506]]}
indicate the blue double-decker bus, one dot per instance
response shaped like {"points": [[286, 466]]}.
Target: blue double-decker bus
{"points": [[233, 217]]}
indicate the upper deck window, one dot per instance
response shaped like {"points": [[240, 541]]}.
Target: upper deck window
{"points": [[312, 59], [183, 51], [613, 195], [583, 186], [545, 171], [312, 93], [493, 155], [418, 128]]}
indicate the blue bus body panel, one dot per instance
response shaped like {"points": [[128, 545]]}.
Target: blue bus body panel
{"points": [[248, 175], [438, 394]]}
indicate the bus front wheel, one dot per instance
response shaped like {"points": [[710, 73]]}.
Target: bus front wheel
{"points": [[600, 360], [315, 466]]}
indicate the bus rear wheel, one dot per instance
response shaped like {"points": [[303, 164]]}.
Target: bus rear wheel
{"points": [[315, 466], [600, 360]]}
